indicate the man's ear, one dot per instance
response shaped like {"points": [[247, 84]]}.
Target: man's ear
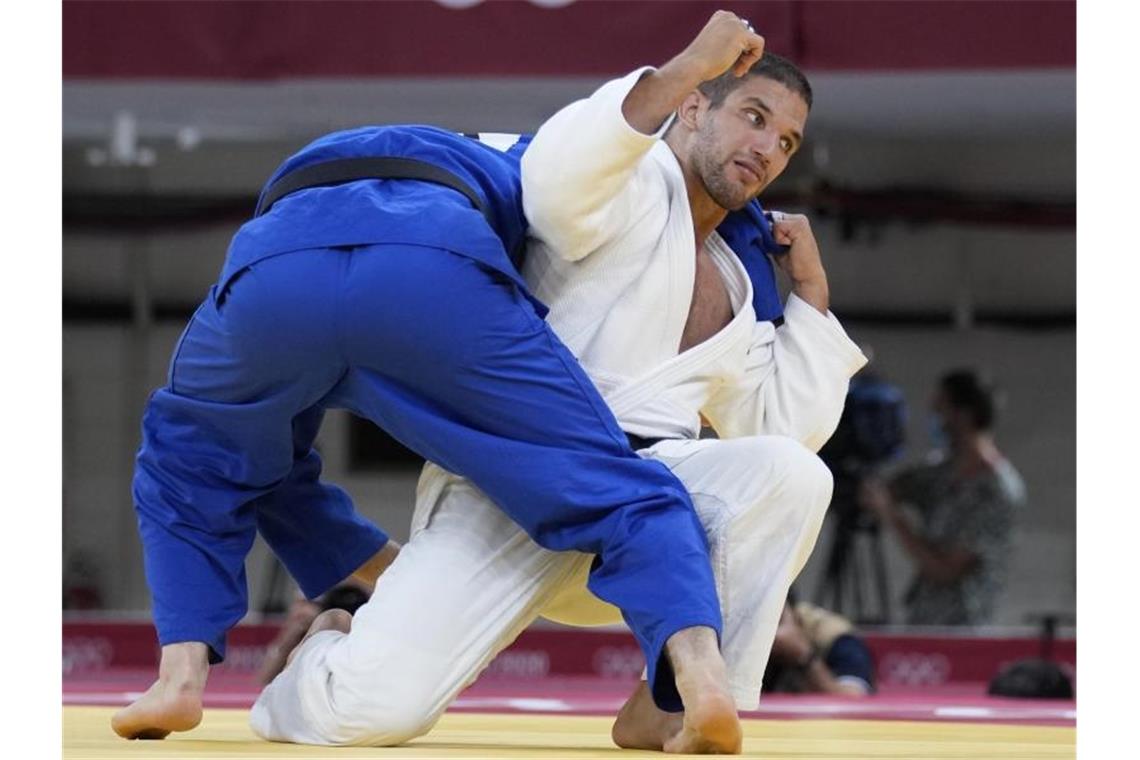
{"points": [[692, 109]]}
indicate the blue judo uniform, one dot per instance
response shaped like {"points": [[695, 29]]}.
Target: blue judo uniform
{"points": [[398, 301]]}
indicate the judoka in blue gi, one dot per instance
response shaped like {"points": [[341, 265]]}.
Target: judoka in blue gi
{"points": [[397, 300]]}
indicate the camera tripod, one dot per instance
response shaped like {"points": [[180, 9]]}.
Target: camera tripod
{"points": [[848, 567]]}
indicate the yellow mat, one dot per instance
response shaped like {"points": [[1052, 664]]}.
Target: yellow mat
{"points": [[225, 733]]}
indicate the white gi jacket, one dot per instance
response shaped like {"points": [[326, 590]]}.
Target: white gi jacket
{"points": [[614, 257], [613, 254]]}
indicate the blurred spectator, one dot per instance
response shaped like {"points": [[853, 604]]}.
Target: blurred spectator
{"points": [[818, 651], [347, 596], [965, 499]]}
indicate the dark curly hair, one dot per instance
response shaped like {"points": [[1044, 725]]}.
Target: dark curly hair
{"points": [[770, 65]]}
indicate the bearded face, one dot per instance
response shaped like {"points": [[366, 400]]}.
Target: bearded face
{"points": [[714, 165], [740, 146]]}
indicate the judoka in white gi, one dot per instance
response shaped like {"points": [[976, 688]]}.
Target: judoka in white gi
{"points": [[619, 201]]}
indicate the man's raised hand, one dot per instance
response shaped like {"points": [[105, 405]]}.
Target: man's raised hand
{"points": [[726, 42]]}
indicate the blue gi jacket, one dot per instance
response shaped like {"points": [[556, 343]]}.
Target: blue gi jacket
{"points": [[345, 215]]}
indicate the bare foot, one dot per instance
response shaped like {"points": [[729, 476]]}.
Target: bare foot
{"points": [[162, 709], [710, 724], [641, 724], [174, 701]]}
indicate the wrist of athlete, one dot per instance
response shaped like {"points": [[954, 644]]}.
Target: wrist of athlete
{"points": [[814, 290], [659, 93], [684, 72]]}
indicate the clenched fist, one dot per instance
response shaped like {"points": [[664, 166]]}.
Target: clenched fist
{"points": [[726, 41], [802, 263]]}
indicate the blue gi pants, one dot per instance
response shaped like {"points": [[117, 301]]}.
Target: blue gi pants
{"points": [[450, 358]]}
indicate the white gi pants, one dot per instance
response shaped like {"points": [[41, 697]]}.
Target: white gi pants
{"points": [[470, 580]]}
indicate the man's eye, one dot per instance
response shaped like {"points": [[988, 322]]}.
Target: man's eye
{"points": [[754, 116], [786, 145]]}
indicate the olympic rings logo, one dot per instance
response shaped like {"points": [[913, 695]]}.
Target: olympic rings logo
{"points": [[529, 663], [618, 662], [914, 669], [81, 654]]}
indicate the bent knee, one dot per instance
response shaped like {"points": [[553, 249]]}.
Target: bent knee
{"points": [[817, 478], [789, 455], [793, 474], [386, 725], [387, 713], [812, 483]]}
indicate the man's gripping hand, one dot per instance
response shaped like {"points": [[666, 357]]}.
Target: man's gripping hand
{"points": [[802, 263]]}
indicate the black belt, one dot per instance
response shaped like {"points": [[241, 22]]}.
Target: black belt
{"points": [[341, 170], [637, 443]]}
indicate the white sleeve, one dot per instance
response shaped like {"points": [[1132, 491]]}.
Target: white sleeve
{"points": [[579, 174], [794, 382]]}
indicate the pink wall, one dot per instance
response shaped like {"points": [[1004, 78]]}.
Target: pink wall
{"points": [[262, 40]]}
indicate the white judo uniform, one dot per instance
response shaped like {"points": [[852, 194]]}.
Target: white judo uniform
{"points": [[613, 255]]}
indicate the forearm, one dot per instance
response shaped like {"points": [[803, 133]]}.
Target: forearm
{"points": [[813, 290], [278, 651], [659, 93], [802, 655], [932, 562], [819, 678]]}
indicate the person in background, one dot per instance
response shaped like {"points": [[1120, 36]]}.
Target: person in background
{"points": [[965, 498], [818, 651]]}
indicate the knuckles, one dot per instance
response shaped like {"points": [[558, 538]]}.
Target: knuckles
{"points": [[797, 224]]}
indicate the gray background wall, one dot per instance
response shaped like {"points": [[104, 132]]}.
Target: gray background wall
{"points": [[110, 367], [925, 295]]}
